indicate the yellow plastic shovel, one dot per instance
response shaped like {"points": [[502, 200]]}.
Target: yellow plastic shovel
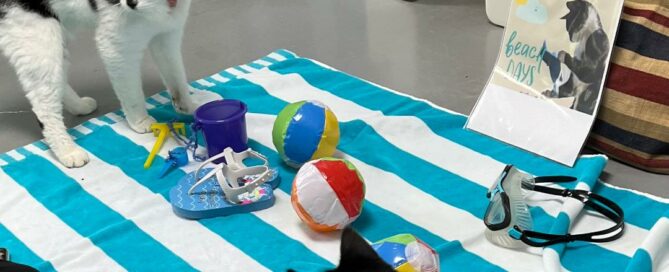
{"points": [[162, 130]]}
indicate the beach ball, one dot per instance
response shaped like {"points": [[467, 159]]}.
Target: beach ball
{"points": [[407, 253], [304, 131], [327, 194]]}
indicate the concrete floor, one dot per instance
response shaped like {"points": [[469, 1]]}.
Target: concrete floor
{"points": [[441, 50]]}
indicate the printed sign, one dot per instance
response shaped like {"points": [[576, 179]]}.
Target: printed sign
{"points": [[545, 88]]}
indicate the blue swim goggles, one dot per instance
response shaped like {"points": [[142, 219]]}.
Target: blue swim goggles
{"points": [[508, 219]]}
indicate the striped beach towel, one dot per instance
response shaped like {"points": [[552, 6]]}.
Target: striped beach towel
{"points": [[424, 174], [633, 122]]}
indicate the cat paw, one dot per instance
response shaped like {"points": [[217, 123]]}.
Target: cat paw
{"points": [[185, 107], [143, 125], [562, 55], [85, 106], [196, 99], [549, 94], [72, 156]]}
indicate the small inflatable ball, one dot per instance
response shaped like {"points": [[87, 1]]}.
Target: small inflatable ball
{"points": [[327, 194], [406, 253], [304, 131]]}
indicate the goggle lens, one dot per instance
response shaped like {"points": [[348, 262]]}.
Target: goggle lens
{"points": [[495, 212]]}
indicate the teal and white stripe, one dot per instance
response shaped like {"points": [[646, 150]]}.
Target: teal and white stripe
{"points": [[653, 255], [33, 224], [425, 175]]}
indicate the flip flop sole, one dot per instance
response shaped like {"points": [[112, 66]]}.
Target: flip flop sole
{"points": [[208, 200]]}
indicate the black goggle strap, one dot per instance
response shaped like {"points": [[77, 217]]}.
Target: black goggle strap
{"points": [[597, 202], [554, 179]]}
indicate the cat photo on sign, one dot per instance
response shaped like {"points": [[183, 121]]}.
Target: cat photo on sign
{"points": [[579, 74]]}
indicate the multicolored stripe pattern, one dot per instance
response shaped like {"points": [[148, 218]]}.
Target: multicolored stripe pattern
{"points": [[304, 131], [424, 175], [633, 122]]}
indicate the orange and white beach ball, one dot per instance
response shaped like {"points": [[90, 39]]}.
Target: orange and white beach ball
{"points": [[328, 194]]}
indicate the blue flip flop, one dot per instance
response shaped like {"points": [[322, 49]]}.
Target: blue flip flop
{"points": [[226, 189]]}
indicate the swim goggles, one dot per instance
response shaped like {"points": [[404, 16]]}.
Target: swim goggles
{"points": [[509, 222]]}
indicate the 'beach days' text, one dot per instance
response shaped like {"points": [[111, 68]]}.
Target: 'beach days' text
{"points": [[523, 71]]}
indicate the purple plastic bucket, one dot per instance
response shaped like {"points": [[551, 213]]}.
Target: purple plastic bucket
{"points": [[223, 124]]}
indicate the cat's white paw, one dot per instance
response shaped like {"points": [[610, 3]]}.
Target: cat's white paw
{"points": [[85, 106], [72, 156], [143, 125], [185, 107], [196, 99]]}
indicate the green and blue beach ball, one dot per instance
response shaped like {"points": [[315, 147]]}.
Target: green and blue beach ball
{"points": [[305, 131]]}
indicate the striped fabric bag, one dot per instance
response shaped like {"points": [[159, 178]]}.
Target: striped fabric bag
{"points": [[424, 175], [633, 121]]}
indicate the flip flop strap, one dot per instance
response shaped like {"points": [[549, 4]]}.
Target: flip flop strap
{"points": [[236, 160], [199, 182], [208, 161], [234, 165], [227, 175]]}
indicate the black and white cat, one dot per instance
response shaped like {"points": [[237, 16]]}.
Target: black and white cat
{"points": [[580, 76], [33, 36], [356, 255]]}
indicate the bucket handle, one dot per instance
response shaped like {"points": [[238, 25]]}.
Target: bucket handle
{"points": [[192, 142]]}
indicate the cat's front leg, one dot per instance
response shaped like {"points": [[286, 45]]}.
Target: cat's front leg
{"points": [[121, 48], [166, 53], [40, 66]]}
